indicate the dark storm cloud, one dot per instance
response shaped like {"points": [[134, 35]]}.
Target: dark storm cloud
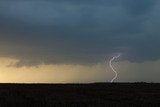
{"points": [[78, 31], [137, 7]]}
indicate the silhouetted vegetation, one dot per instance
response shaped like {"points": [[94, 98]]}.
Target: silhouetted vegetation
{"points": [[80, 95]]}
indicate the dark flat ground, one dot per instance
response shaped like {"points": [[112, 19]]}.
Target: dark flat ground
{"points": [[80, 95]]}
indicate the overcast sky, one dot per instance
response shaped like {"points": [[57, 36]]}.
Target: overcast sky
{"points": [[82, 33]]}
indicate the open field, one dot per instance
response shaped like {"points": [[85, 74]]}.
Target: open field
{"points": [[80, 95]]}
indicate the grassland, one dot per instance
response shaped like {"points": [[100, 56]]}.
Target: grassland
{"points": [[80, 95]]}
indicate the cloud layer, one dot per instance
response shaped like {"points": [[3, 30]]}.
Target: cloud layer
{"points": [[62, 73], [79, 32]]}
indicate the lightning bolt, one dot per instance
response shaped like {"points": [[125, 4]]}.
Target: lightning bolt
{"points": [[110, 64]]}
